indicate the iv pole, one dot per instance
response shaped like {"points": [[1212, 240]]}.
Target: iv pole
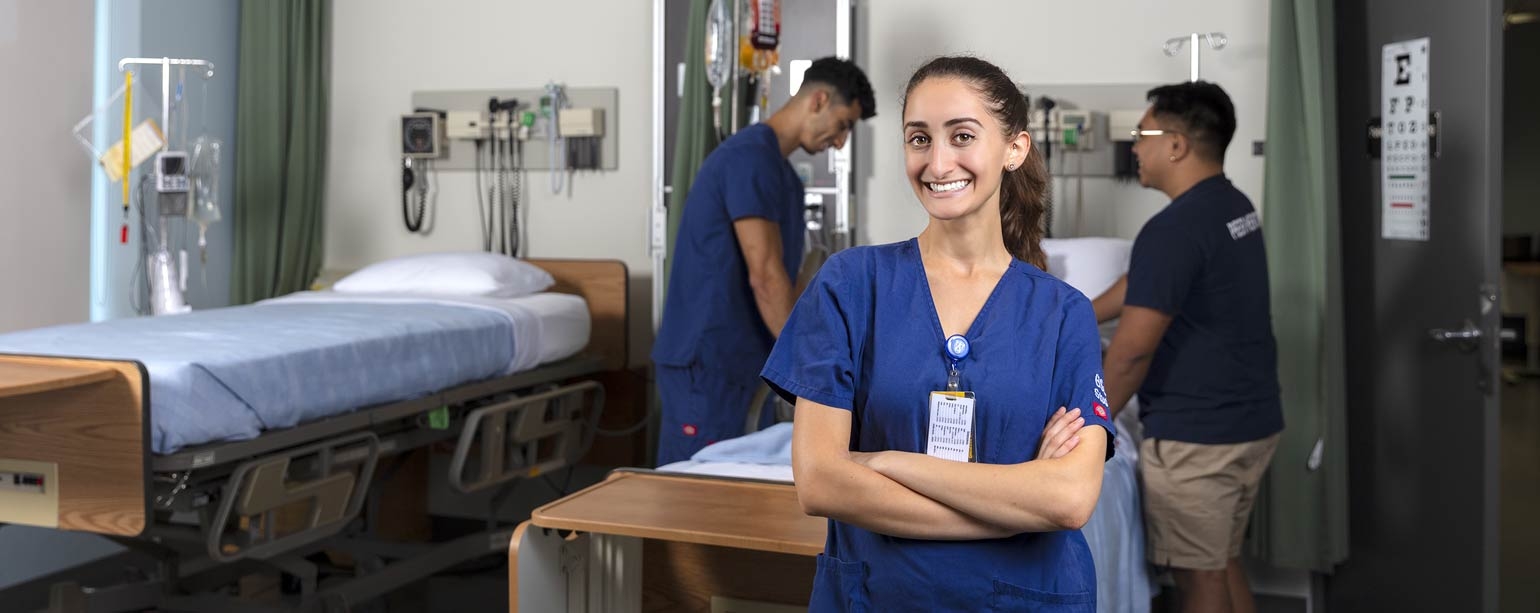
{"points": [[1215, 40], [165, 64], [175, 302]]}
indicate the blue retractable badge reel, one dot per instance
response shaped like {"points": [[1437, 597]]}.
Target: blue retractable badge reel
{"points": [[957, 348]]}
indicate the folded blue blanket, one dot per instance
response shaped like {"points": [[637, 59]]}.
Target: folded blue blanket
{"points": [[769, 446]]}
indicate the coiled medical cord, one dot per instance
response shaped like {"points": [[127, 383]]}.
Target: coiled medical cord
{"points": [[510, 243], [1048, 104], [481, 203], [513, 163]]}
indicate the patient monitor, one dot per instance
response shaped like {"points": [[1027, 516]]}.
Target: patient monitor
{"points": [[172, 183]]}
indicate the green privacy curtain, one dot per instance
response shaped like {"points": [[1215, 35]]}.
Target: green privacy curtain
{"points": [[280, 146], [1301, 513], [695, 136]]}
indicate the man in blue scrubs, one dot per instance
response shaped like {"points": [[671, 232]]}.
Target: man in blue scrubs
{"points": [[1195, 339], [738, 250]]}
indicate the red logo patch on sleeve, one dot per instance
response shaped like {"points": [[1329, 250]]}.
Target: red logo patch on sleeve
{"points": [[1100, 410], [689, 430]]}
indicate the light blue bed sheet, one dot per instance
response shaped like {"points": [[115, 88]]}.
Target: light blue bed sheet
{"points": [[1115, 532], [228, 374]]}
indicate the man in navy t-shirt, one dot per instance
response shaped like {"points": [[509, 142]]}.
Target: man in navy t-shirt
{"points": [[738, 250], [1195, 339]]}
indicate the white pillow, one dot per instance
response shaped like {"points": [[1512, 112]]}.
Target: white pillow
{"points": [[474, 273], [1090, 264]]}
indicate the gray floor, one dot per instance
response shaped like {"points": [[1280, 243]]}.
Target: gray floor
{"points": [[1520, 507], [1265, 604]]}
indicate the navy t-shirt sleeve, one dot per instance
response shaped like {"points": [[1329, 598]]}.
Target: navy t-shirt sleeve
{"points": [[815, 357], [1077, 371], [1165, 263], [751, 185]]}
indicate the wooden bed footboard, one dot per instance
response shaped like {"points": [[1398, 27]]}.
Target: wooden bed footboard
{"points": [[74, 444]]}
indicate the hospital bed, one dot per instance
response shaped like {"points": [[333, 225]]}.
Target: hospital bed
{"points": [[223, 442], [726, 524]]}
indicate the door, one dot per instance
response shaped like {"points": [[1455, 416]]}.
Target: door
{"points": [[810, 29], [1422, 413]]}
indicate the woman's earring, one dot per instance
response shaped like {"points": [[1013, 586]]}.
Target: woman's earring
{"points": [[1173, 158], [1010, 167]]}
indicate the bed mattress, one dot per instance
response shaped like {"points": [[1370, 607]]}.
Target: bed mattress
{"points": [[230, 374]]}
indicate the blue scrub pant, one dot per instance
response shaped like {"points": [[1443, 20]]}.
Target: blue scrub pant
{"points": [[701, 407]]}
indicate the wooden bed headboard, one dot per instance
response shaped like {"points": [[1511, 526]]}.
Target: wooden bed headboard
{"points": [[605, 285]]}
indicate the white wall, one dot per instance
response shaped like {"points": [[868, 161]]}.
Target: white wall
{"points": [[382, 51], [1055, 43], [44, 259]]}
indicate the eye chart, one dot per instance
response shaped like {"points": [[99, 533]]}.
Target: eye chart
{"points": [[1404, 149]]}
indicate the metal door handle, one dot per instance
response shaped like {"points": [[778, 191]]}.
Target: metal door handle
{"points": [[1468, 333]]}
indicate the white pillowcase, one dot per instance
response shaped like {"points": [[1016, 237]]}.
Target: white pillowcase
{"points": [[474, 273], [1090, 264]]}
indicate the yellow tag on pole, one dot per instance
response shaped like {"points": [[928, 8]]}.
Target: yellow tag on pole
{"points": [[145, 141]]}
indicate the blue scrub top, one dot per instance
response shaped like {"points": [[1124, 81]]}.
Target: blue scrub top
{"points": [[711, 318], [865, 337]]}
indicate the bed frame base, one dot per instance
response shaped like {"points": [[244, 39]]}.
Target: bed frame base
{"points": [[276, 511]]}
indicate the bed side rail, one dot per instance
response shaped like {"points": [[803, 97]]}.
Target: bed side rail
{"points": [[526, 436], [278, 502]]}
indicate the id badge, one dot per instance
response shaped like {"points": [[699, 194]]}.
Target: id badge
{"points": [[950, 435]]}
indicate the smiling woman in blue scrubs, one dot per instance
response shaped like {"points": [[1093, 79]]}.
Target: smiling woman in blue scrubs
{"points": [[926, 375]]}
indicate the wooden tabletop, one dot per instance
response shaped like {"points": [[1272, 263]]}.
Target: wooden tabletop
{"points": [[707, 511], [21, 376]]}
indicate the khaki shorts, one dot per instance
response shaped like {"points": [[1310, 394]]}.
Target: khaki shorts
{"points": [[1198, 498]]}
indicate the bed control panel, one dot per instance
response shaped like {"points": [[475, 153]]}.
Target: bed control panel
{"points": [[32, 483], [29, 493]]}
